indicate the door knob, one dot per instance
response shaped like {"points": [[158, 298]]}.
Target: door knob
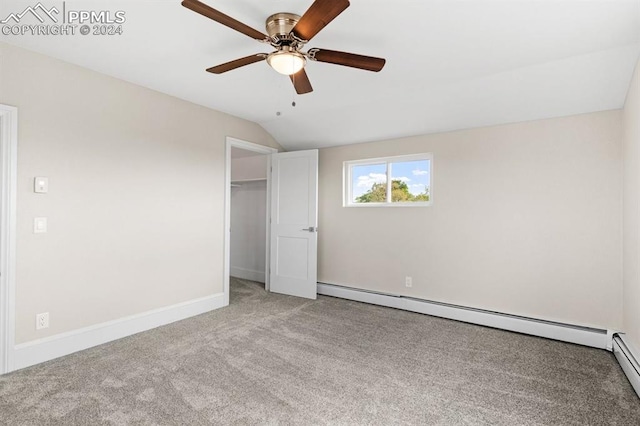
{"points": [[310, 229]]}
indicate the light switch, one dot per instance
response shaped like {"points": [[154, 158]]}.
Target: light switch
{"points": [[39, 225], [41, 185]]}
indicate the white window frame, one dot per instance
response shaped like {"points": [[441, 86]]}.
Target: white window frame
{"points": [[347, 180]]}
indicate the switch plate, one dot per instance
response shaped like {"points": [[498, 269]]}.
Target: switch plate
{"points": [[41, 185], [39, 225]]}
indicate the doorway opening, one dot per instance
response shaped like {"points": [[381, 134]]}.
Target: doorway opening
{"points": [[247, 216]]}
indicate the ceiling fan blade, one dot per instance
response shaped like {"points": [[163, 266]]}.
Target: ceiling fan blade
{"points": [[301, 82], [223, 19], [348, 59], [317, 17], [232, 65]]}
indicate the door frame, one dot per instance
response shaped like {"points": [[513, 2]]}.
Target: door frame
{"points": [[261, 149], [8, 179]]}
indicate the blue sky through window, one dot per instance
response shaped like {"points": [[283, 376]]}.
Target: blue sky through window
{"points": [[416, 174], [365, 176]]}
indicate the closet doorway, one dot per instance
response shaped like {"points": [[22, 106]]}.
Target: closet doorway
{"points": [[247, 206]]}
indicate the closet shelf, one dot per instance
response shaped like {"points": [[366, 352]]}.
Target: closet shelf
{"points": [[248, 180]]}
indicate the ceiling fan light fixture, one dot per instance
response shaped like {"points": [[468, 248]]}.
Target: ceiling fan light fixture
{"points": [[288, 33], [287, 62]]}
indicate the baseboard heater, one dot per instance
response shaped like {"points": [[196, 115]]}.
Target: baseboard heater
{"points": [[594, 337], [629, 361], [586, 336]]}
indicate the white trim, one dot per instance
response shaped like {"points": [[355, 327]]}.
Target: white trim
{"points": [[41, 350], [610, 336], [629, 360], [551, 330], [237, 143], [249, 180], [391, 205], [247, 274], [8, 178]]}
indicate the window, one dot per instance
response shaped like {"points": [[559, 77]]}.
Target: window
{"points": [[393, 181]]}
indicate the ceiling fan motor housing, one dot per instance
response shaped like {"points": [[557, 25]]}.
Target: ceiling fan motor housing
{"points": [[279, 25]]}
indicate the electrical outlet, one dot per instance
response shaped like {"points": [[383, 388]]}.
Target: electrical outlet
{"points": [[408, 281], [42, 321]]}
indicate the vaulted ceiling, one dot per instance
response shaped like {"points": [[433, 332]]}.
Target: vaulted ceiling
{"points": [[450, 64]]}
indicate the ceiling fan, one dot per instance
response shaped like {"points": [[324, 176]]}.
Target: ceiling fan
{"points": [[288, 33]]}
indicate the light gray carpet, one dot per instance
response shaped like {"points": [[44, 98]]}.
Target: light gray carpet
{"points": [[272, 359]]}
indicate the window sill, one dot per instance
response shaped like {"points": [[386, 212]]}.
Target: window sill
{"points": [[414, 204]]}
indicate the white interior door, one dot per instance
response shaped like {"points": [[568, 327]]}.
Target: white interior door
{"points": [[294, 221]]}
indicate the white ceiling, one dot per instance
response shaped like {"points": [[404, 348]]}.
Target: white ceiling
{"points": [[450, 64]]}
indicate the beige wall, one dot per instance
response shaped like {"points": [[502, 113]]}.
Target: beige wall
{"points": [[136, 196], [248, 245], [526, 217], [631, 283], [527, 220], [249, 168]]}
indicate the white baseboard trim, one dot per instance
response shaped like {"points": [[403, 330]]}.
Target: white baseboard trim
{"points": [[593, 337], [48, 348], [629, 360], [247, 274]]}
